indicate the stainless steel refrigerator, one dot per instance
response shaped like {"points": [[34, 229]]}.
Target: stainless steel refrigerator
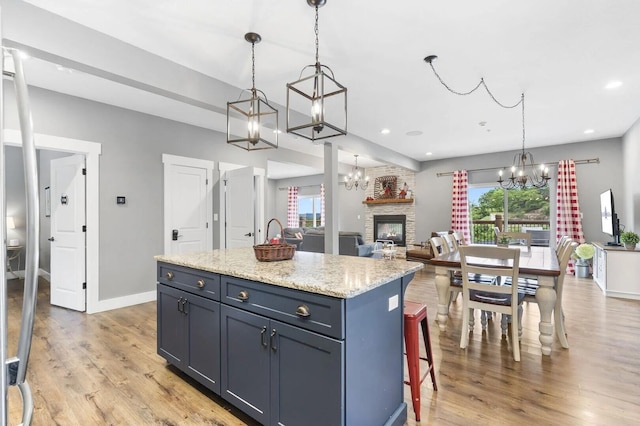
{"points": [[14, 368]]}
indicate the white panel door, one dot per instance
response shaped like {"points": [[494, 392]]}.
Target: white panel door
{"points": [[187, 208], [68, 246], [240, 212]]}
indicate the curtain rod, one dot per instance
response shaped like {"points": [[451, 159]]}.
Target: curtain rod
{"points": [[587, 161], [299, 186]]}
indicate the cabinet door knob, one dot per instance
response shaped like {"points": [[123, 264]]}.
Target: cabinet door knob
{"points": [[243, 295], [200, 283], [169, 275], [303, 311]]}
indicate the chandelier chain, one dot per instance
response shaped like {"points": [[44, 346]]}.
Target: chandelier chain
{"points": [[523, 134], [480, 83], [317, 32], [253, 65], [519, 176]]}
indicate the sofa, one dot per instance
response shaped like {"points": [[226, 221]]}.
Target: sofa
{"points": [[349, 243], [294, 236]]}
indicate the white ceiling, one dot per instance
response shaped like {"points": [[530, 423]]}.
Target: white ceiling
{"points": [[561, 54]]}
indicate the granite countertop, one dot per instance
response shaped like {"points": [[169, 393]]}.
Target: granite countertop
{"points": [[328, 274]]}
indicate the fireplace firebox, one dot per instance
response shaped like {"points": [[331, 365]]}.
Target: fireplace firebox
{"points": [[390, 227]]}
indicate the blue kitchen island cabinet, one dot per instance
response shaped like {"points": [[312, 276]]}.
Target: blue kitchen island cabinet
{"points": [[181, 338], [315, 340]]}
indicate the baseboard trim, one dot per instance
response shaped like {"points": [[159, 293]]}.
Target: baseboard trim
{"points": [[124, 301]]}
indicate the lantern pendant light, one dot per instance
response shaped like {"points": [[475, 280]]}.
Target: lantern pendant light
{"points": [[252, 124], [316, 102]]}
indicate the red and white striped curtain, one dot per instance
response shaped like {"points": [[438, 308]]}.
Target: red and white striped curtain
{"points": [[568, 220], [293, 219], [459, 204], [322, 204]]}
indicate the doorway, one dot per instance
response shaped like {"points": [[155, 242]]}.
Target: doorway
{"points": [[91, 151], [187, 204], [250, 194]]}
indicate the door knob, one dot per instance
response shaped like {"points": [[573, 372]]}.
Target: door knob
{"points": [[51, 239], [249, 234]]}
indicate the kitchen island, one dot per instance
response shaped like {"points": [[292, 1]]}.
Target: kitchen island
{"points": [[315, 340]]}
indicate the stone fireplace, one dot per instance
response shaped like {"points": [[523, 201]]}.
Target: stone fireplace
{"points": [[391, 207], [390, 227]]}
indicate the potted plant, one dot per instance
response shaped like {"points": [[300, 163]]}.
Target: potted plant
{"points": [[629, 239], [583, 254], [503, 241]]}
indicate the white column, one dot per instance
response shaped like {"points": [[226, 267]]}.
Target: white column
{"points": [[331, 198]]}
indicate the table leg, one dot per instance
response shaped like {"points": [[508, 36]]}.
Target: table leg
{"points": [[546, 298], [442, 287]]}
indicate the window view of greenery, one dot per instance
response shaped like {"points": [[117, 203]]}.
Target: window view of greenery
{"points": [[526, 209], [309, 211]]}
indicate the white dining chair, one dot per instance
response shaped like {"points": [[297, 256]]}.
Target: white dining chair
{"points": [[528, 286], [490, 296]]}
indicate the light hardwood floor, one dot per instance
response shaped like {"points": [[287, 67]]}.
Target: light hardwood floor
{"points": [[103, 368]]}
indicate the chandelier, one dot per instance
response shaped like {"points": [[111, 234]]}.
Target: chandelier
{"points": [[252, 124], [320, 94], [356, 178], [523, 172], [520, 178]]}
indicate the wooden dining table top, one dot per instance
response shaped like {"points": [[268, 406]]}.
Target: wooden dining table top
{"points": [[540, 261]]}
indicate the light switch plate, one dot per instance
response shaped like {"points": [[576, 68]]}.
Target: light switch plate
{"points": [[393, 302]]}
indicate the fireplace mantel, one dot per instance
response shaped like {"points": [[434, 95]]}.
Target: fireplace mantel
{"points": [[389, 201]]}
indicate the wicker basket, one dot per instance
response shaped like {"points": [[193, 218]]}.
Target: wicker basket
{"points": [[272, 252]]}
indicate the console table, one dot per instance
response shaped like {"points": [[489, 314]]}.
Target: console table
{"points": [[616, 271]]}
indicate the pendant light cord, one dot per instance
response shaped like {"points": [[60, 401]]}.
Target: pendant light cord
{"points": [[430, 59]]}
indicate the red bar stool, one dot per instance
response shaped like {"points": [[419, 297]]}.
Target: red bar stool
{"points": [[416, 314]]}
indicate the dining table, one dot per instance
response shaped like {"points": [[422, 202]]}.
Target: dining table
{"points": [[540, 263]]}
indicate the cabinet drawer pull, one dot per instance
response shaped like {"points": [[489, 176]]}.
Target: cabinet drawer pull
{"points": [[273, 340], [200, 283], [169, 275], [263, 340], [243, 295], [303, 311]]}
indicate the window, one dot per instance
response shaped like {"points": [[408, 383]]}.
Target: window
{"points": [[309, 209], [515, 211]]}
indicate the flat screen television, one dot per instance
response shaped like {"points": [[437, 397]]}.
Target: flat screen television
{"points": [[610, 222]]}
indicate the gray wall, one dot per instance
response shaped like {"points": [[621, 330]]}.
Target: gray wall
{"points": [[130, 165], [433, 194], [630, 160]]}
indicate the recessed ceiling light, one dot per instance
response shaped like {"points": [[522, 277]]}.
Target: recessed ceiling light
{"points": [[588, 131], [385, 131], [613, 85], [414, 133], [429, 153]]}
